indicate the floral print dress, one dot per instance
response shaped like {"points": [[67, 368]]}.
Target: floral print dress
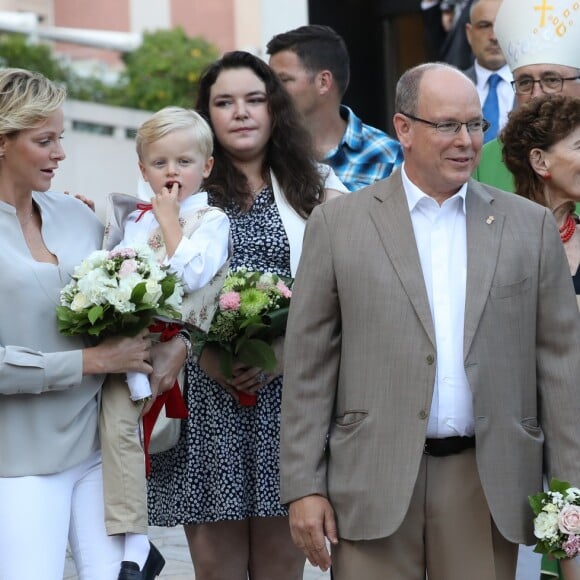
{"points": [[225, 466]]}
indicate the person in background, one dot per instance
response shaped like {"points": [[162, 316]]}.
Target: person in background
{"points": [[489, 72], [432, 384], [313, 64], [174, 148], [444, 23], [541, 148], [50, 461], [542, 47], [221, 481]]}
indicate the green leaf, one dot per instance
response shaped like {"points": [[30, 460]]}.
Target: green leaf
{"points": [[167, 286], [138, 293], [256, 353], [559, 486], [250, 321], [95, 313], [276, 322], [537, 502], [254, 329], [226, 363]]}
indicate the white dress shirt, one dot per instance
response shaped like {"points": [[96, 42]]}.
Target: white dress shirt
{"points": [[440, 234], [505, 93], [197, 259]]}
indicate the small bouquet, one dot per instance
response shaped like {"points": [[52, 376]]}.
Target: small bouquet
{"points": [[119, 292], [252, 312], [557, 520]]}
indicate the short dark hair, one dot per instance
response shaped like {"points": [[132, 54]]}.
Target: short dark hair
{"points": [[319, 48], [539, 123]]}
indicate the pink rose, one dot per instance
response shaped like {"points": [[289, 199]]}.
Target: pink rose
{"points": [[569, 519], [230, 301], [127, 268], [126, 253], [571, 546], [284, 290]]}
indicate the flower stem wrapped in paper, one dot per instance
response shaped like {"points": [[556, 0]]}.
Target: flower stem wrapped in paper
{"points": [[557, 520], [119, 292], [252, 312]]}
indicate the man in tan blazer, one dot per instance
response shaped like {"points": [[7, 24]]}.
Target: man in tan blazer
{"points": [[433, 352]]}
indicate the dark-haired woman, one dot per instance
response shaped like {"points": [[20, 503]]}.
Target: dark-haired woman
{"points": [[221, 481]]}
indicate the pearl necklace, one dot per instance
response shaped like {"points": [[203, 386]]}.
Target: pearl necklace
{"points": [[568, 229]]}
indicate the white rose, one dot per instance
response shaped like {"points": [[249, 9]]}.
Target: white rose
{"points": [[175, 299], [119, 299], [80, 302], [152, 292], [545, 525], [156, 272], [569, 519], [95, 260], [128, 283], [94, 283]]}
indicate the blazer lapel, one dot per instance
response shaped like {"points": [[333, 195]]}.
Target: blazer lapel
{"points": [[390, 214], [484, 229]]}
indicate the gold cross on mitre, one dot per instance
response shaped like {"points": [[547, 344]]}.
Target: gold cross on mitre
{"points": [[543, 9]]}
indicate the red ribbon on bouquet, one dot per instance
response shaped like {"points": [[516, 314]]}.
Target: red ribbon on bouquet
{"points": [[172, 399], [247, 399]]}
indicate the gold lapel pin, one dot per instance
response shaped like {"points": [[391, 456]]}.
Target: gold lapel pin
{"points": [[490, 219]]}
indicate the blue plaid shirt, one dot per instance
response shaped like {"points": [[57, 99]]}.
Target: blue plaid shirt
{"points": [[364, 154]]}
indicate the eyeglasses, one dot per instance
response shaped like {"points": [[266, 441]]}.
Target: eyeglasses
{"points": [[549, 84], [452, 127]]}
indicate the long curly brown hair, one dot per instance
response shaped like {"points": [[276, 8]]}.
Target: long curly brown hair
{"points": [[540, 123], [290, 154]]}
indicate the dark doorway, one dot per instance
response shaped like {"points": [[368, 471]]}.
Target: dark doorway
{"points": [[384, 39]]}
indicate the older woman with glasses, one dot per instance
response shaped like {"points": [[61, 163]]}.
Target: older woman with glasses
{"points": [[549, 68], [541, 147]]}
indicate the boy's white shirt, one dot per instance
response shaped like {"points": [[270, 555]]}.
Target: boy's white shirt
{"points": [[195, 261]]}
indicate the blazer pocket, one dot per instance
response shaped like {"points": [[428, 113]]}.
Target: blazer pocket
{"points": [[531, 425], [350, 418], [509, 290]]}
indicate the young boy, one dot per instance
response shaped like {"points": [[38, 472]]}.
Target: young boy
{"points": [[174, 148]]}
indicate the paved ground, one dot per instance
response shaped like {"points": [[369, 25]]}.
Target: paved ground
{"points": [[171, 542]]}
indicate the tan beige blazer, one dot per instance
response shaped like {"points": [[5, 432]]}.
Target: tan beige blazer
{"points": [[360, 352]]}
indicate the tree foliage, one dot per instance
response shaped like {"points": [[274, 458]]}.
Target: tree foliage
{"points": [[17, 52], [165, 70]]}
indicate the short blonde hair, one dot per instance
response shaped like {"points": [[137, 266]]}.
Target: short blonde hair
{"points": [[27, 99], [171, 119]]}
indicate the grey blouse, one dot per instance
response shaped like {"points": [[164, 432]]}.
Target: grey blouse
{"points": [[48, 410]]}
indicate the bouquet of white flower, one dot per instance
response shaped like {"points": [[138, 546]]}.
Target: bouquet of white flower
{"points": [[557, 520], [119, 292]]}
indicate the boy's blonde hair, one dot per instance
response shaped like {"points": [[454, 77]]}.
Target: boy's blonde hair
{"points": [[27, 99], [171, 119]]}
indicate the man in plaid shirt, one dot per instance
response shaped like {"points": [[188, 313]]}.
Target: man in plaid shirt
{"points": [[313, 64]]}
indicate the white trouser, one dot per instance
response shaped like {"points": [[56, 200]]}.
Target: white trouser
{"points": [[39, 513]]}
